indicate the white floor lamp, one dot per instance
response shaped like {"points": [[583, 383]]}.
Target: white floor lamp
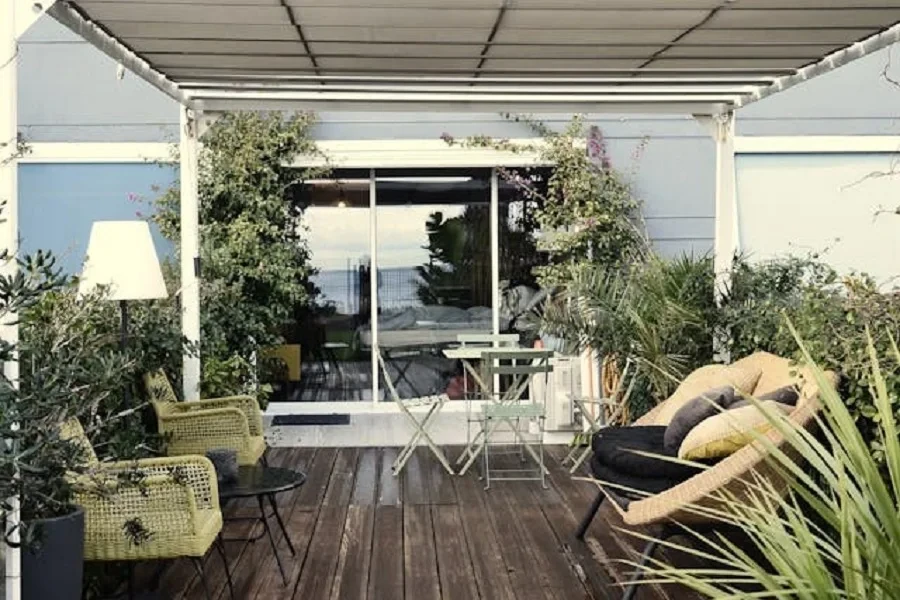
{"points": [[121, 256]]}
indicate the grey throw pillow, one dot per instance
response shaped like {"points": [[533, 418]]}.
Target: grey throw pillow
{"points": [[696, 410], [788, 395]]}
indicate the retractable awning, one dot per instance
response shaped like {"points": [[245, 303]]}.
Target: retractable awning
{"points": [[674, 56]]}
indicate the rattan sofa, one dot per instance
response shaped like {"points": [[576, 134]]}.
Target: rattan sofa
{"points": [[680, 504]]}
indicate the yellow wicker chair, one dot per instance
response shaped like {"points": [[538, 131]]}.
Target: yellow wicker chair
{"points": [[176, 501], [196, 426]]}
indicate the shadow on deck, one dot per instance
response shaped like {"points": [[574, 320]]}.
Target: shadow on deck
{"points": [[361, 533]]}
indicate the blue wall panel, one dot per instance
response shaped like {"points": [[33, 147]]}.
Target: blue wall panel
{"points": [[59, 202]]}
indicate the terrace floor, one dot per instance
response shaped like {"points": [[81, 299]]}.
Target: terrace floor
{"points": [[361, 533]]}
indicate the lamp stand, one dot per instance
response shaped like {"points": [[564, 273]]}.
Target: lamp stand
{"points": [[123, 344], [123, 308]]}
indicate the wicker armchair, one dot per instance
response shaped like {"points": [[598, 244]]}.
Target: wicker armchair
{"points": [[733, 475], [176, 501], [196, 426]]}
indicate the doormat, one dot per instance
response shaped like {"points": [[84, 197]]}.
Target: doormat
{"points": [[282, 420]]}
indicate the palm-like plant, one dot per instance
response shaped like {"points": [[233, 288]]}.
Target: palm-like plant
{"points": [[835, 533], [658, 312]]}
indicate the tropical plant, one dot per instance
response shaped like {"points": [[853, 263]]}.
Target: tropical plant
{"points": [[254, 256], [835, 533], [660, 312], [586, 209]]}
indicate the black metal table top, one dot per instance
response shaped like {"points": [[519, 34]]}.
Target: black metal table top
{"points": [[258, 480]]}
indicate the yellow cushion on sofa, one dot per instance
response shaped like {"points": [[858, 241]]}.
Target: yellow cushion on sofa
{"points": [[729, 431], [742, 378]]}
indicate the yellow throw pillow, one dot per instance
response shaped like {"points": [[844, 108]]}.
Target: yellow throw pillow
{"points": [[728, 432], [742, 379]]}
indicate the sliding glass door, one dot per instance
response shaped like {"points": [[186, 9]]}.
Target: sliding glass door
{"points": [[406, 260]]}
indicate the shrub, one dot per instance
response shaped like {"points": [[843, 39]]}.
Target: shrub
{"points": [[255, 261], [831, 315]]}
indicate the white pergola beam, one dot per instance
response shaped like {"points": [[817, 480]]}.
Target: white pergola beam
{"points": [[115, 49], [831, 62], [190, 248], [463, 105]]}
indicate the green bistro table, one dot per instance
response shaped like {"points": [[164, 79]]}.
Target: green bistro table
{"points": [[262, 483]]}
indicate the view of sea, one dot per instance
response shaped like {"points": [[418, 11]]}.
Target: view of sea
{"points": [[397, 288]]}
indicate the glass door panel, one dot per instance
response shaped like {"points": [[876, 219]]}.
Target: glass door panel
{"points": [[434, 273]]}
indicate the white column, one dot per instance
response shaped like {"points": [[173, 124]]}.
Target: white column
{"points": [[721, 127], [9, 234], [190, 249], [726, 202], [495, 251], [373, 282]]}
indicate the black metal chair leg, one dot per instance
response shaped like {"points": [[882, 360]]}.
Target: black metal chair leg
{"points": [[589, 517], [638, 575], [198, 566], [667, 531], [220, 547], [262, 515], [130, 580], [284, 530]]}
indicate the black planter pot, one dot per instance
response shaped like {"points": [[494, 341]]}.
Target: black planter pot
{"points": [[53, 569]]}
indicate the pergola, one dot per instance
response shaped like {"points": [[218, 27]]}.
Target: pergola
{"points": [[705, 58]]}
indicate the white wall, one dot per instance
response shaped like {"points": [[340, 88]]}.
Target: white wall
{"points": [[830, 204]]}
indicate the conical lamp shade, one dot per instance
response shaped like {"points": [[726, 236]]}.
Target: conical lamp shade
{"points": [[121, 255]]}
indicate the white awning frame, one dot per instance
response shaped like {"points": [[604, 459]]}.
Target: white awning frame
{"points": [[642, 89]]}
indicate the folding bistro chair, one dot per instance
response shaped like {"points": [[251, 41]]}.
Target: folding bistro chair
{"points": [[593, 414], [485, 341], [433, 406], [511, 407]]}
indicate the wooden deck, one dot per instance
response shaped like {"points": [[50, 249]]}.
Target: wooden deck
{"points": [[362, 533]]}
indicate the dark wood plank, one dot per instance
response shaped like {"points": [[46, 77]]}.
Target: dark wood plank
{"points": [[386, 569], [489, 569], [317, 478], [419, 560], [351, 580], [299, 521], [317, 573], [313, 568], [563, 520], [366, 482], [343, 476], [440, 482], [388, 483], [415, 481], [524, 499], [524, 578], [457, 576], [605, 545]]}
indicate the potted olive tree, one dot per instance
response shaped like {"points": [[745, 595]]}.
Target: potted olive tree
{"points": [[66, 371]]}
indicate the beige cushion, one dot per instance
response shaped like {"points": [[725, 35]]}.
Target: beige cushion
{"points": [[742, 378], [728, 432]]}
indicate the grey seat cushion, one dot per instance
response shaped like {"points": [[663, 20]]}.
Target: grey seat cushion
{"points": [[694, 412], [788, 395]]}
